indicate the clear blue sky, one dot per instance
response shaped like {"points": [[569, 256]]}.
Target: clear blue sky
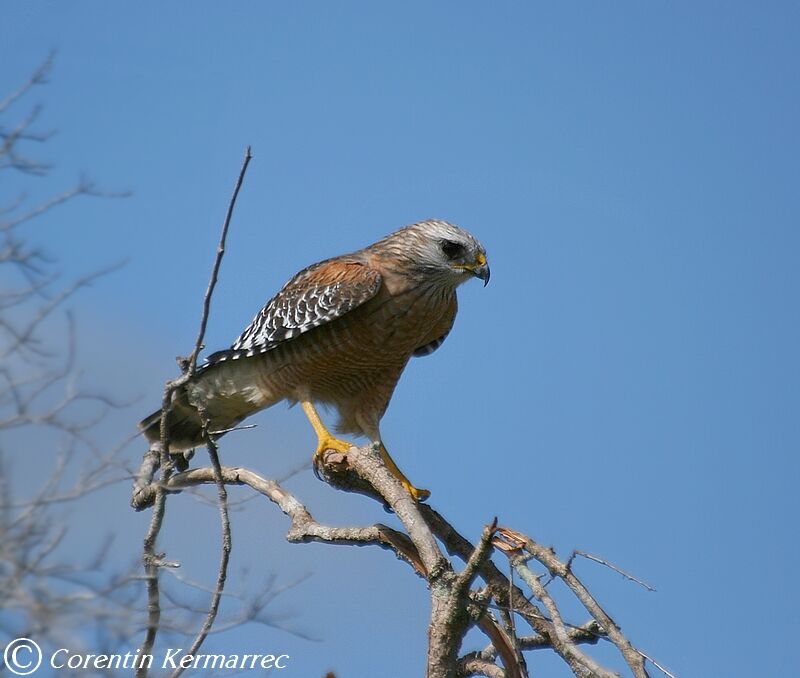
{"points": [[626, 385]]}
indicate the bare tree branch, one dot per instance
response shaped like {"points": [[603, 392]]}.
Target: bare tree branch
{"points": [[580, 663], [472, 665], [188, 366], [47, 593], [547, 557], [225, 553], [38, 77]]}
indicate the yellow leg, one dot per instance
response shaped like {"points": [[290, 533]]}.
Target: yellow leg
{"points": [[325, 439], [418, 493]]}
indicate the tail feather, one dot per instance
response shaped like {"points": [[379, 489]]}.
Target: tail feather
{"points": [[230, 394], [184, 426]]}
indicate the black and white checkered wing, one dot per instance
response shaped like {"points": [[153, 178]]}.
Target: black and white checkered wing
{"points": [[315, 296]]}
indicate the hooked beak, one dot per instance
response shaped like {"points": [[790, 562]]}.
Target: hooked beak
{"points": [[483, 273], [481, 269]]}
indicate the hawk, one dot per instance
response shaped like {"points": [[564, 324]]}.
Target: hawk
{"points": [[339, 333]]}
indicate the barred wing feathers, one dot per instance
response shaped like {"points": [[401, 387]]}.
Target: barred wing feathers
{"points": [[315, 296]]}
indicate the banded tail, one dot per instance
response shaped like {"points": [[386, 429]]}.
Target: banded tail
{"points": [[184, 426], [230, 394]]}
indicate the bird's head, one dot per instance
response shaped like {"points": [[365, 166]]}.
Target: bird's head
{"points": [[438, 249]]}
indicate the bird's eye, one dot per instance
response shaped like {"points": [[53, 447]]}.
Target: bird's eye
{"points": [[452, 250]]}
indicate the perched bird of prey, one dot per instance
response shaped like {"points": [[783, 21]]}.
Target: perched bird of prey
{"points": [[339, 333]]}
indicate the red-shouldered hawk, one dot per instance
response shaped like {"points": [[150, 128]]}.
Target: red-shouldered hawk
{"points": [[340, 333]]}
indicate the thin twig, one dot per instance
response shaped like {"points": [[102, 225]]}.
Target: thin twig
{"points": [[657, 665], [212, 283], [188, 366], [151, 565], [39, 77], [227, 542], [611, 566]]}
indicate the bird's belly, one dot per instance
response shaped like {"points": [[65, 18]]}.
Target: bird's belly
{"points": [[355, 361]]}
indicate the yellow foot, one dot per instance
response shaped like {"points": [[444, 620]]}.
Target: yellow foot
{"points": [[326, 441], [417, 493], [330, 443]]}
